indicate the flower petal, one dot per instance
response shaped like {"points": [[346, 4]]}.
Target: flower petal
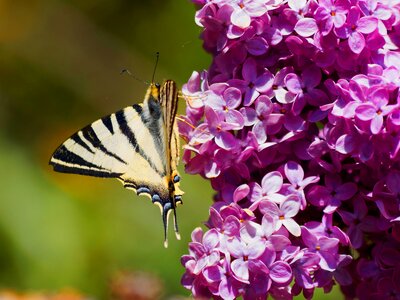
{"points": [[365, 112], [292, 226], [367, 24], [257, 46], [291, 206], [259, 130], [235, 247], [241, 269], [234, 118], [240, 18], [376, 124], [233, 97], [225, 140], [280, 272], [211, 239], [283, 96], [294, 172], [264, 83], [268, 207], [272, 182], [306, 27], [292, 82], [346, 191], [241, 192], [356, 42], [249, 114]]}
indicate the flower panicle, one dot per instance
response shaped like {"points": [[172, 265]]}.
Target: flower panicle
{"points": [[296, 124]]}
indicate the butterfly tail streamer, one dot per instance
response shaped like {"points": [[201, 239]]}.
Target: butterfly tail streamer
{"points": [[165, 216], [176, 229]]}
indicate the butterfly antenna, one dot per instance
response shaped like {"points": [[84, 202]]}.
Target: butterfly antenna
{"points": [[155, 66], [126, 71]]}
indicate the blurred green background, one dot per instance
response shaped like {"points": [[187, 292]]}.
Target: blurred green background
{"points": [[60, 64]]}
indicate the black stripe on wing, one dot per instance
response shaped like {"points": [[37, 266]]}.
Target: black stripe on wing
{"points": [[77, 139], [107, 122], [69, 162], [80, 171], [126, 130], [90, 136]]}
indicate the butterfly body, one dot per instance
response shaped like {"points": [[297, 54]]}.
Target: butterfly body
{"points": [[138, 145]]}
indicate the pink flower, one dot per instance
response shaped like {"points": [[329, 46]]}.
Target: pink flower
{"points": [[244, 254], [374, 110], [331, 13], [355, 28], [269, 189], [296, 123], [332, 194], [283, 215], [304, 88]]}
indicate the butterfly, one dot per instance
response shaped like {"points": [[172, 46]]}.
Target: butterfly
{"points": [[138, 145]]}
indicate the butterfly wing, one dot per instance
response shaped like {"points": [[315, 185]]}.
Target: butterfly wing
{"points": [[135, 145], [113, 146]]}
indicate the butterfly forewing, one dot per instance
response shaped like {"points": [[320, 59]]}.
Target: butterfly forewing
{"points": [[137, 145]]}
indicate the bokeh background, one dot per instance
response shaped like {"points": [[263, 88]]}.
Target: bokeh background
{"points": [[60, 63]]}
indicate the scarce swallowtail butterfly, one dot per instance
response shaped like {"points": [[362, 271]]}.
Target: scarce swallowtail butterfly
{"points": [[138, 145]]}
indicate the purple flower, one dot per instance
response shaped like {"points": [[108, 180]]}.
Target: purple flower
{"points": [[228, 285], [245, 254], [295, 174], [355, 28], [252, 84], [326, 228], [331, 13], [283, 215], [226, 105], [375, 109], [332, 194], [325, 247], [259, 117], [296, 123], [266, 231], [270, 186], [203, 250], [303, 264], [305, 89], [341, 275], [219, 130], [244, 10]]}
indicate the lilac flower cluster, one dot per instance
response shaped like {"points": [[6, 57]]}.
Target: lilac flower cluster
{"points": [[297, 126]]}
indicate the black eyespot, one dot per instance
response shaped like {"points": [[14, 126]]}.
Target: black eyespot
{"points": [[177, 178]]}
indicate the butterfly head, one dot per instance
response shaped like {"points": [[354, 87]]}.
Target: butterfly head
{"points": [[153, 91]]}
